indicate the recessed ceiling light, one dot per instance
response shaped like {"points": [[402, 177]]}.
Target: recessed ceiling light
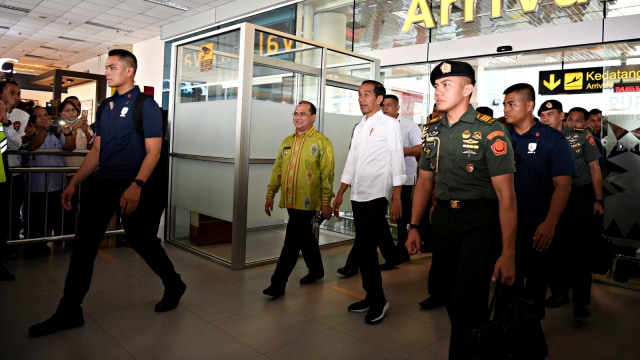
{"points": [[169, 4], [118, 28]]}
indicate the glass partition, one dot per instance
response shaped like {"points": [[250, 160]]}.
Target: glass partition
{"points": [[233, 95]]}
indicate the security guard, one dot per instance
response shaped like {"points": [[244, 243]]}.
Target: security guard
{"points": [[585, 202], [469, 157]]}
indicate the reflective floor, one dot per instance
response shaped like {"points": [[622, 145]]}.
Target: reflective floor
{"points": [[224, 315]]}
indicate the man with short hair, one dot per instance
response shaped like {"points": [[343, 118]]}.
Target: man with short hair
{"points": [[412, 147], [544, 168], [469, 158], [116, 174], [304, 170], [375, 172], [13, 122], [585, 202], [595, 121]]}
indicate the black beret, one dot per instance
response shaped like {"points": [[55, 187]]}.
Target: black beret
{"points": [[452, 68], [550, 105]]}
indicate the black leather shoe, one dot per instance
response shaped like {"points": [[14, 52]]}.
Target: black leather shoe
{"points": [[273, 291], [56, 323], [171, 297], [390, 265], [347, 272], [310, 278], [431, 303], [556, 301]]}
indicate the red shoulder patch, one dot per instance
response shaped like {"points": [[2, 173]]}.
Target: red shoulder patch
{"points": [[499, 147]]}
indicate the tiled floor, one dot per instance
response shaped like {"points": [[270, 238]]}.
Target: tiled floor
{"points": [[224, 315]]}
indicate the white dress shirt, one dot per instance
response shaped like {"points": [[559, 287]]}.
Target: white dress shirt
{"points": [[411, 136], [375, 163], [14, 136]]}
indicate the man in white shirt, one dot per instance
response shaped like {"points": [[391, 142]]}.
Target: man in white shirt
{"points": [[13, 122], [412, 147], [375, 172]]}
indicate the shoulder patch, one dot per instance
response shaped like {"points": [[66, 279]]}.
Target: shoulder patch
{"points": [[434, 120], [485, 118]]}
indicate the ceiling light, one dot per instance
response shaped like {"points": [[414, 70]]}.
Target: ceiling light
{"points": [[169, 4], [78, 40], [56, 49], [11, 7], [118, 28]]}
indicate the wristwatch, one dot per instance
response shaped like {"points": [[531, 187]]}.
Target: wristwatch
{"points": [[413, 226], [139, 182]]}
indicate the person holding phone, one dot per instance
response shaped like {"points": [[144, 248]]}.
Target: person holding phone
{"points": [[45, 187]]}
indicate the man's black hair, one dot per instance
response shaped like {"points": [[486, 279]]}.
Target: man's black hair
{"points": [[526, 91], [378, 88], [312, 107]]}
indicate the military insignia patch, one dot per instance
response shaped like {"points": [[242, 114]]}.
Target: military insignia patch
{"points": [[495, 133], [445, 68], [477, 135], [499, 147], [466, 134], [469, 168]]}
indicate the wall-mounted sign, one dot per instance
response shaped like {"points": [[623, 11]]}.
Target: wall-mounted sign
{"points": [[420, 11]]}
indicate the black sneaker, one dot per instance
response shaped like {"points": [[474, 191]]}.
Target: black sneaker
{"points": [[581, 312], [376, 313], [56, 323], [171, 297], [358, 307]]}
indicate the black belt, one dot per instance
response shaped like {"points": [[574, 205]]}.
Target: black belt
{"points": [[466, 204]]}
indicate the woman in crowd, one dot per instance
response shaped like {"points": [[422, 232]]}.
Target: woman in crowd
{"points": [[45, 188]]}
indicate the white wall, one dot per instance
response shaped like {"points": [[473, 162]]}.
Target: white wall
{"points": [[150, 54]]}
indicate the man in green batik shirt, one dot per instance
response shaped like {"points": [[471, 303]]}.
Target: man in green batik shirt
{"points": [[304, 170]]}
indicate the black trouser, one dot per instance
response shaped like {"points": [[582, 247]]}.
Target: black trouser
{"points": [[370, 220], [533, 270], [45, 207], [405, 197], [387, 248], [577, 227], [467, 243], [299, 237], [100, 199], [17, 199], [70, 216]]}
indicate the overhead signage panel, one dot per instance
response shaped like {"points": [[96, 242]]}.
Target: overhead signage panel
{"points": [[571, 81], [589, 80]]}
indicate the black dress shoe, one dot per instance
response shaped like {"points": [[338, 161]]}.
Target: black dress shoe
{"points": [[390, 265], [556, 301], [273, 291], [430, 303], [56, 323], [347, 272], [171, 297], [310, 278]]}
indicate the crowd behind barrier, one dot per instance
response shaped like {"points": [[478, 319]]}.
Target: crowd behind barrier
{"points": [[65, 234]]}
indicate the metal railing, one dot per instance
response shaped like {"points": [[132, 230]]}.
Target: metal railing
{"points": [[27, 174]]}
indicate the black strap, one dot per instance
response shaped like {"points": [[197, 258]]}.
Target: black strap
{"points": [[137, 112]]}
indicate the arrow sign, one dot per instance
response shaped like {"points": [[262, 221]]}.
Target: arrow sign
{"points": [[552, 83]]}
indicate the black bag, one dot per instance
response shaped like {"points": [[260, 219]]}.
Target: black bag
{"points": [[514, 332]]}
